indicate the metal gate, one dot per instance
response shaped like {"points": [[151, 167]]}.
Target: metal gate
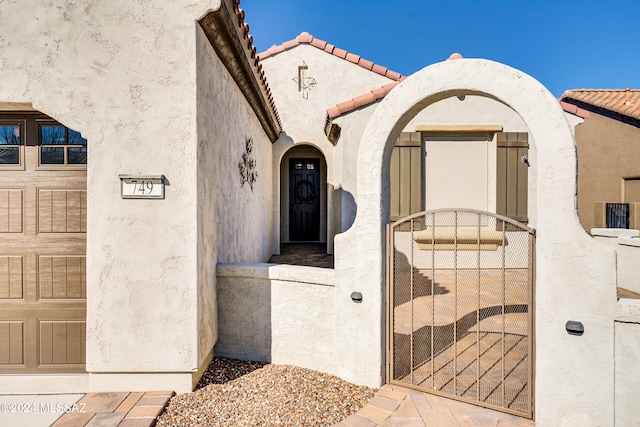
{"points": [[460, 307]]}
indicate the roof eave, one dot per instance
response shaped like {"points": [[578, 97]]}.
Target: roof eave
{"points": [[229, 36]]}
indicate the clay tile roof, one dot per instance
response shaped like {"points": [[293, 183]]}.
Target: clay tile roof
{"points": [[380, 92], [616, 103], [572, 109], [258, 67], [306, 38], [361, 100]]}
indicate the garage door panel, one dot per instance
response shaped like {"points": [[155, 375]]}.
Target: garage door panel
{"points": [[42, 267], [62, 211], [62, 276], [11, 343], [11, 210], [62, 343], [11, 277]]}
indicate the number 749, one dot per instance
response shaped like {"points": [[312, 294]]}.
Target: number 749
{"points": [[142, 187]]}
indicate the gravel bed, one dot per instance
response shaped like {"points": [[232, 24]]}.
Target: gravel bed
{"points": [[236, 393]]}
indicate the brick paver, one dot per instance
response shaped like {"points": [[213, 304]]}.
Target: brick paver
{"points": [[124, 409], [419, 409]]}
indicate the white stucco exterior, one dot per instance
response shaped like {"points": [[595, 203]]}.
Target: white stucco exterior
{"points": [[574, 273], [151, 300], [169, 279]]}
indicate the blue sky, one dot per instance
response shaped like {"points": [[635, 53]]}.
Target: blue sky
{"points": [[564, 44]]}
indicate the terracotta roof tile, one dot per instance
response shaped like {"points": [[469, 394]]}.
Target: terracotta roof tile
{"points": [[257, 69], [329, 48], [623, 102], [393, 75], [320, 44], [365, 99], [380, 92], [333, 112], [366, 64], [306, 38], [340, 53], [379, 69], [290, 44]]}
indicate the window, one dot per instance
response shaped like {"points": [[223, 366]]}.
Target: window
{"points": [[10, 143], [61, 146]]}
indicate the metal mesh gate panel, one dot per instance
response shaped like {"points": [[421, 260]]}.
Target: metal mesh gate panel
{"points": [[460, 307]]}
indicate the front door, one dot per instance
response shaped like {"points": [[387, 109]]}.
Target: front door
{"points": [[304, 200], [43, 209]]}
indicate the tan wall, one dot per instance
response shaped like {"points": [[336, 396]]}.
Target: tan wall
{"points": [[608, 152]]}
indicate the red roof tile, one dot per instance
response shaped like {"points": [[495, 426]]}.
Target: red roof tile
{"points": [[258, 68], [625, 102], [572, 109], [380, 92], [306, 38], [361, 100]]}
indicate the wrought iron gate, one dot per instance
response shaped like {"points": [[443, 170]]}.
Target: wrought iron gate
{"points": [[460, 308]]}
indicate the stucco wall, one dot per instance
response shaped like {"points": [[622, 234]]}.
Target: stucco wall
{"points": [[607, 152], [627, 374], [575, 276], [452, 110], [336, 80], [94, 66], [278, 313], [234, 222]]}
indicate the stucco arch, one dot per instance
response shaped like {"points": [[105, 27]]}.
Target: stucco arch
{"points": [[302, 150], [575, 275]]}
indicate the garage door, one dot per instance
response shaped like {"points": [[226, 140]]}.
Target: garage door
{"points": [[43, 200]]}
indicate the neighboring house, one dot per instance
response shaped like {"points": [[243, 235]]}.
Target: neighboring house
{"points": [[129, 271], [608, 144]]}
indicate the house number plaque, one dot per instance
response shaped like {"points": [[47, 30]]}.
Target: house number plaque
{"points": [[142, 186]]}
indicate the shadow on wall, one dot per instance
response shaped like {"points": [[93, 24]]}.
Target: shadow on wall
{"points": [[344, 208], [244, 320]]}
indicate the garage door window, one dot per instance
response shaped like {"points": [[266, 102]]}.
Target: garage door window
{"points": [[10, 143], [62, 146]]}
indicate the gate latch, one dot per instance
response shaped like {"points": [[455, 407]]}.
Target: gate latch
{"points": [[574, 328]]}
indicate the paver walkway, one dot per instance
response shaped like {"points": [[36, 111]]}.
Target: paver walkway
{"points": [[309, 254], [125, 409], [395, 406]]}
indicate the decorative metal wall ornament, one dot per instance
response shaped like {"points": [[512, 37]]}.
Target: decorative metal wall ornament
{"points": [[305, 83], [247, 166]]}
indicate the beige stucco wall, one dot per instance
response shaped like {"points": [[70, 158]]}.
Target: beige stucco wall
{"points": [[336, 81], [627, 374], [469, 110], [150, 263], [575, 276], [234, 221], [608, 152], [280, 314]]}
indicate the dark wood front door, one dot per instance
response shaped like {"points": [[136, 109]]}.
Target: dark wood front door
{"points": [[304, 200]]}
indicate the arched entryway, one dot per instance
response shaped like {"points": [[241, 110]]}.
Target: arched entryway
{"points": [[303, 196], [570, 266]]}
